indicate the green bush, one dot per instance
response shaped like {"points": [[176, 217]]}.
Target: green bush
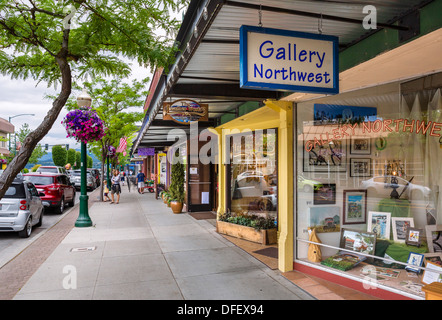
{"points": [[59, 156]]}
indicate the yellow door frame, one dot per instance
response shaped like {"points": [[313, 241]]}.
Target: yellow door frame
{"points": [[275, 114]]}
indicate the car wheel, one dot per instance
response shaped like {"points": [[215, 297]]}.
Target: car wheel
{"points": [[26, 232], [60, 208]]}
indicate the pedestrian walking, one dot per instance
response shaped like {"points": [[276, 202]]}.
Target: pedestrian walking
{"points": [[116, 188], [141, 178]]}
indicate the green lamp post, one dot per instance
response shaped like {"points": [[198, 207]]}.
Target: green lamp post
{"points": [[84, 101]]}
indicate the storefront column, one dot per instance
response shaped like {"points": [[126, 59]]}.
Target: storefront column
{"points": [[285, 183], [221, 172]]}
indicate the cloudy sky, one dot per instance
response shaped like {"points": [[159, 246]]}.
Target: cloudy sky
{"points": [[26, 97]]}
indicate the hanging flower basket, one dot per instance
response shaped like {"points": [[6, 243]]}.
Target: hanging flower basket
{"points": [[3, 161], [84, 125], [112, 152]]}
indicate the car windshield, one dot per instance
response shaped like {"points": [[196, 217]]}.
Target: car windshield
{"points": [[38, 180], [15, 191]]}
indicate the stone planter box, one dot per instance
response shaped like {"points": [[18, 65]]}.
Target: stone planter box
{"points": [[264, 237]]}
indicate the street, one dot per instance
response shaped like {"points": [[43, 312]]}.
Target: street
{"points": [[11, 244]]}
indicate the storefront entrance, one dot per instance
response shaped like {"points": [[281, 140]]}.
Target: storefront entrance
{"points": [[200, 187]]}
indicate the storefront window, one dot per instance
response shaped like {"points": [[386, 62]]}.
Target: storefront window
{"points": [[369, 172], [253, 174]]}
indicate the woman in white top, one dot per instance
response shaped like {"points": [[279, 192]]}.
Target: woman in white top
{"points": [[116, 188]]}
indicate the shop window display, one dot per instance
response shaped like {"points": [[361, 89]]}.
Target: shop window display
{"points": [[372, 157], [253, 174]]}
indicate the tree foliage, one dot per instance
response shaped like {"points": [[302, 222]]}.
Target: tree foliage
{"points": [[38, 152], [58, 41], [119, 106], [59, 156]]}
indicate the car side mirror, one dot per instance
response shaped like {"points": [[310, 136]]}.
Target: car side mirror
{"points": [[41, 194]]}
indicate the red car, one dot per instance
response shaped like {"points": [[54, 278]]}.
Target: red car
{"points": [[57, 188]]}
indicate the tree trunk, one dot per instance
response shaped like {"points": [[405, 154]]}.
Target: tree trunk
{"points": [[21, 158]]}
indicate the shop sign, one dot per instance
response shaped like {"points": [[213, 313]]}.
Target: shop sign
{"points": [[185, 111], [146, 151], [284, 60]]}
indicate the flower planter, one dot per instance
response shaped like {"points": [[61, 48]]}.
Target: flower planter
{"points": [[265, 237], [177, 207]]}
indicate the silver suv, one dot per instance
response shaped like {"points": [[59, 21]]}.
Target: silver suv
{"points": [[21, 208]]}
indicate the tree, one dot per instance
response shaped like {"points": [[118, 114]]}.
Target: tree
{"points": [[38, 152], [119, 106], [43, 45], [59, 156], [90, 161], [71, 157], [77, 160]]}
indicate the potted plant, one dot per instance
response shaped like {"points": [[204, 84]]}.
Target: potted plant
{"points": [[176, 188]]}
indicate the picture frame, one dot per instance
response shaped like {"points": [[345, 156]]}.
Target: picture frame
{"points": [[429, 276], [435, 258], [360, 145], [400, 226], [325, 194], [379, 223], [324, 218], [328, 157], [415, 260], [429, 229], [358, 241], [360, 167], [414, 237], [355, 206]]}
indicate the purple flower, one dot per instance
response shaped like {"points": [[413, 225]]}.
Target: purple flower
{"points": [[84, 125]]}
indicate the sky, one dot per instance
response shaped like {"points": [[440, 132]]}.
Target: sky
{"points": [[26, 97]]}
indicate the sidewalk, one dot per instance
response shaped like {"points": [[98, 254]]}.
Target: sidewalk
{"points": [[139, 249]]}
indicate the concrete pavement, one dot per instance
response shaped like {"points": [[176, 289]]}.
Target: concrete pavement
{"points": [[139, 249]]}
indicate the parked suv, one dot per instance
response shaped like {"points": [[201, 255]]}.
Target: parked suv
{"points": [[90, 180], [21, 208], [57, 188], [52, 169], [96, 174]]}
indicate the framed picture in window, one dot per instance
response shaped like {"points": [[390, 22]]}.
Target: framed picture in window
{"points": [[400, 226], [414, 261], [355, 207], [330, 156], [360, 145], [379, 223], [324, 194], [360, 167], [414, 237]]}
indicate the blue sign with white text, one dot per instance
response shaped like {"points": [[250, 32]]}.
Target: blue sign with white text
{"points": [[284, 60]]}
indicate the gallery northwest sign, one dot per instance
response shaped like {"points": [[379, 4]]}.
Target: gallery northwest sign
{"points": [[284, 60], [185, 111]]}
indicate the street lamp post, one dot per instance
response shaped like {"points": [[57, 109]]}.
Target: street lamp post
{"points": [[18, 115], [84, 100]]}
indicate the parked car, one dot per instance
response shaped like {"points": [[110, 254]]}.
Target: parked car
{"points": [[96, 174], [21, 208], [381, 187], [57, 188], [53, 169], [90, 180]]}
